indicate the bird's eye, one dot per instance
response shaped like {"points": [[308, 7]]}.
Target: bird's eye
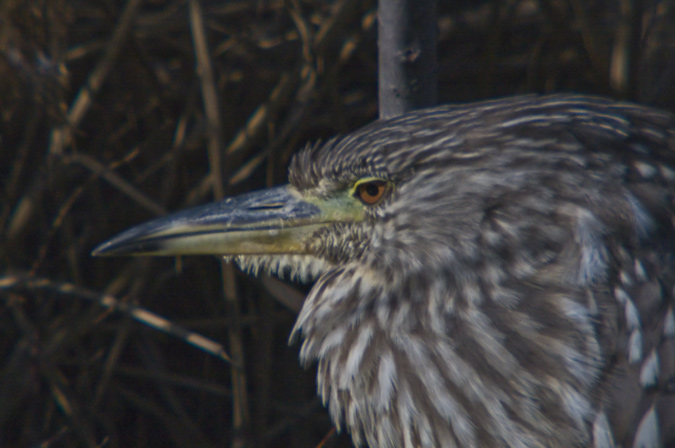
{"points": [[371, 192]]}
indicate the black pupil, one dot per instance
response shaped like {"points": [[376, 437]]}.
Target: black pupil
{"points": [[372, 189]]}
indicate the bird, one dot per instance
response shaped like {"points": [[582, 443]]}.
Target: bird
{"points": [[491, 274]]}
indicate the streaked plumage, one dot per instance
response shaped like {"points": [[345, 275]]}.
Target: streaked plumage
{"points": [[513, 286]]}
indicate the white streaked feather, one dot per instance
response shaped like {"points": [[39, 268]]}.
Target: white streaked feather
{"points": [[350, 369], [592, 264], [602, 434], [575, 404], [642, 220], [303, 268], [584, 371], [471, 383], [352, 415], [649, 373], [386, 380], [621, 295], [387, 432], [667, 172], [593, 261], [333, 340], [548, 118], [647, 435], [443, 401], [645, 169], [632, 316], [490, 340], [640, 271], [635, 346], [404, 414], [669, 324]]}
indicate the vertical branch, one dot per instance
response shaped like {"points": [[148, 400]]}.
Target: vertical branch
{"points": [[625, 60], [209, 97], [215, 149], [407, 35], [240, 411]]}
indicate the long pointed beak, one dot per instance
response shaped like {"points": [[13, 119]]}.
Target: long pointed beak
{"points": [[273, 221]]}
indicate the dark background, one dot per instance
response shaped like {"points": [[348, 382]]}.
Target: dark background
{"points": [[103, 125]]}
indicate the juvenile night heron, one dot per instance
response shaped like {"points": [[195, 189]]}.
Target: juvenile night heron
{"points": [[488, 275]]}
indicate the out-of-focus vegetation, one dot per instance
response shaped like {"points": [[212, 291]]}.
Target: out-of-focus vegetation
{"points": [[114, 112]]}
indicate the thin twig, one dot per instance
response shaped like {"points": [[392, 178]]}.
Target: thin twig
{"points": [[61, 136], [9, 282], [209, 97]]}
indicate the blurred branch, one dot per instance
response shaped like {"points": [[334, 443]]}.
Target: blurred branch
{"points": [[18, 281], [106, 173], [62, 135], [625, 60], [407, 33], [240, 411], [209, 97]]}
